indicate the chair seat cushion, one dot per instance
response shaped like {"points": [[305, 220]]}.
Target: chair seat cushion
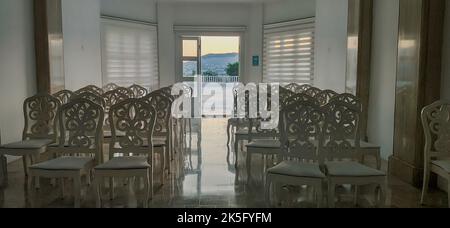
{"points": [[351, 169], [297, 169], [242, 132], [156, 143], [366, 145], [65, 163], [122, 163], [265, 143], [29, 144], [443, 164]]}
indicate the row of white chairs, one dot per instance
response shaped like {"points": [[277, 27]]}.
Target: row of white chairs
{"points": [[78, 127], [270, 142], [320, 148]]}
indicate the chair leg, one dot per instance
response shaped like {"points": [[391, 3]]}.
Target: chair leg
{"points": [[25, 166], [62, 188], [30, 182], [378, 161], [150, 179], [249, 166], [146, 190], [111, 188], [37, 182], [165, 159], [355, 196], [236, 150], [319, 194], [382, 202], [267, 191], [331, 194], [98, 189], [190, 125], [88, 178], [77, 191], [426, 182], [229, 133]]}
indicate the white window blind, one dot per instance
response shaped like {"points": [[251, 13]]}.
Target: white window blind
{"points": [[289, 52], [129, 53]]}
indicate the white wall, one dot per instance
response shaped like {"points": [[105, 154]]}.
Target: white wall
{"points": [[445, 90], [287, 10], [17, 65], [383, 75], [254, 44], [82, 50], [143, 10], [166, 44], [331, 44], [214, 14]]}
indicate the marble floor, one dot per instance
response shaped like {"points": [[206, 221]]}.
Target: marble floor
{"points": [[204, 177]]}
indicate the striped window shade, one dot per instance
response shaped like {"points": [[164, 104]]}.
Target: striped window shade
{"points": [[129, 53], [289, 52]]}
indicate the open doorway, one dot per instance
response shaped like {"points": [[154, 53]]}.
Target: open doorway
{"points": [[212, 63]]}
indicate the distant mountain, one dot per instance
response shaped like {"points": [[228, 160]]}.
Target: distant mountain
{"points": [[213, 62], [222, 55]]}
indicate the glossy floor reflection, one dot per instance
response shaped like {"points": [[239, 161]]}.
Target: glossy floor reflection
{"points": [[203, 177]]}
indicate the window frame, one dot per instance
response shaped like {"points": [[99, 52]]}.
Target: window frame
{"points": [[198, 31]]}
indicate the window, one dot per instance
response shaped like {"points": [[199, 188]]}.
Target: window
{"points": [[191, 56], [129, 53], [289, 52]]}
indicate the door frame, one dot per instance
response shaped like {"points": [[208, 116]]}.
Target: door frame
{"points": [[197, 31]]}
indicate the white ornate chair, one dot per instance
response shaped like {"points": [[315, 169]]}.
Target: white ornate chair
{"points": [[64, 96], [297, 88], [131, 155], [301, 137], [92, 96], [184, 124], [343, 152], [162, 134], [111, 98], [325, 96], [80, 146], [261, 141], [90, 88], [313, 92], [366, 148], [232, 122], [138, 91], [436, 124], [109, 87], [125, 91], [267, 142], [39, 131], [246, 103]]}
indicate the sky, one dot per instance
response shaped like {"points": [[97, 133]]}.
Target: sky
{"points": [[212, 45]]}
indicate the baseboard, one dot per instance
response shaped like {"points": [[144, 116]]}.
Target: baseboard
{"points": [[405, 171]]}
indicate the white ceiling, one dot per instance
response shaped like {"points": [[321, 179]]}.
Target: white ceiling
{"points": [[217, 1]]}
